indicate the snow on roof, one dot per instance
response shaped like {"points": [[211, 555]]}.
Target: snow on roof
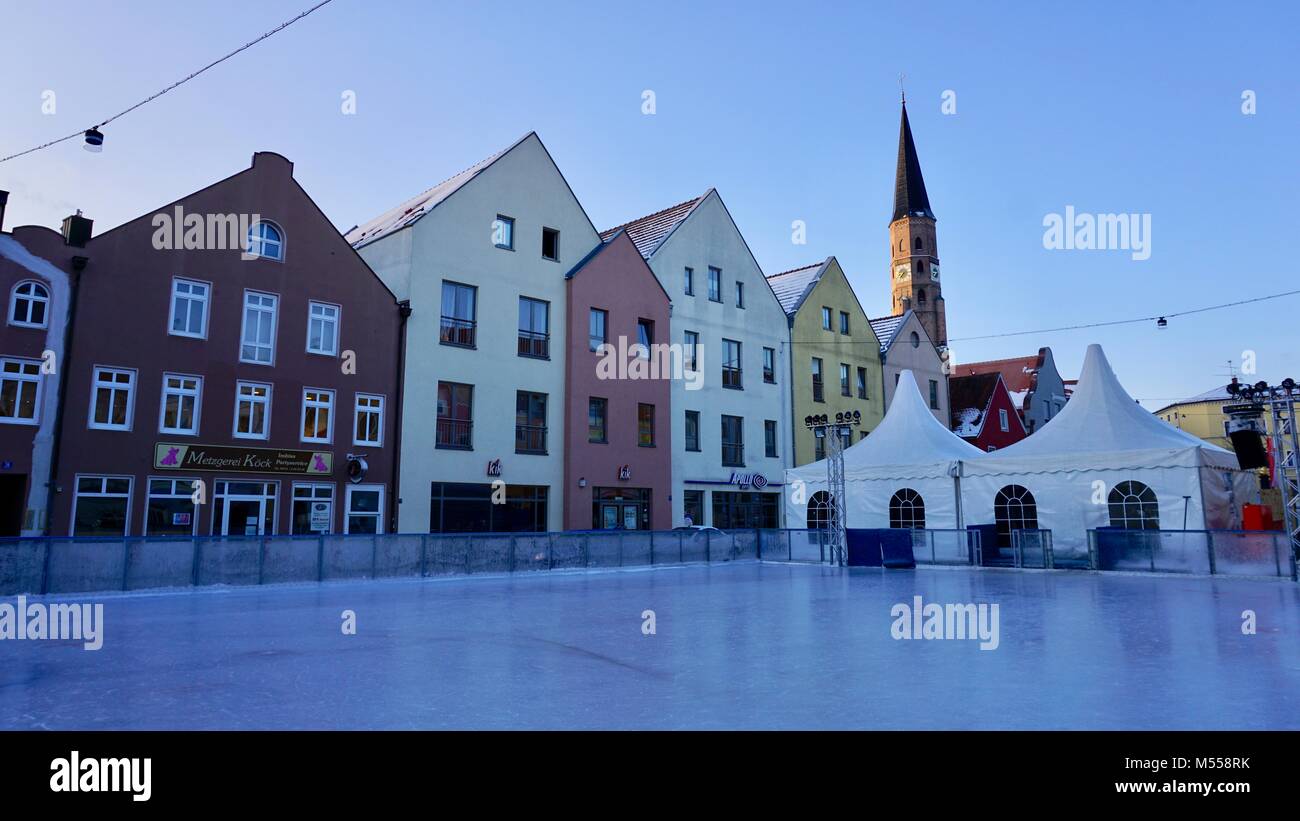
{"points": [[792, 287], [649, 232], [410, 211], [886, 327]]}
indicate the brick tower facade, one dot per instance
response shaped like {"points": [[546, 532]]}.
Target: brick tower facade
{"points": [[914, 250]]}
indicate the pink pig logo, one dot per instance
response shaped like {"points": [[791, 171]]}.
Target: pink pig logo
{"points": [[170, 458], [320, 465]]}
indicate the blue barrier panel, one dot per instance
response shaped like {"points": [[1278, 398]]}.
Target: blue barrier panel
{"points": [[877, 547]]}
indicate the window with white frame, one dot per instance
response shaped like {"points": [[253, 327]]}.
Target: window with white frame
{"points": [[170, 508], [20, 391], [313, 508], [322, 328], [29, 305], [258, 336], [369, 427], [189, 313], [365, 509], [317, 415], [101, 506], [112, 398], [1003, 421], [181, 400], [252, 410], [266, 240]]}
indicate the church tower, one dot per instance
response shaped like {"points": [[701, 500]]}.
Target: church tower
{"points": [[914, 252]]}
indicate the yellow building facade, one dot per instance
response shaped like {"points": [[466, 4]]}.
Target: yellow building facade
{"points": [[834, 353]]}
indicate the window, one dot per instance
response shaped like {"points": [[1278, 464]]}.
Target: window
{"points": [[688, 275], [920, 297], [258, 336], [915, 339], [907, 510], [598, 420], [715, 284], [934, 394], [189, 314], [252, 410], [455, 416], [1133, 506], [826, 319], [20, 391], [740, 294], [1014, 509], [244, 508], [1003, 421], [862, 383], [181, 400], [457, 507], [819, 391], [917, 243], [821, 511], [693, 430], [503, 232], [733, 441], [844, 322], [769, 439], [169, 509], [691, 351], [459, 304], [744, 509], [845, 389], [530, 422], [29, 305], [693, 507], [323, 328], [769, 365], [731, 364], [102, 506], [551, 244], [368, 418], [645, 337], [266, 240], [819, 447], [365, 509], [534, 328], [597, 328], [645, 425], [112, 402], [317, 415], [313, 508]]}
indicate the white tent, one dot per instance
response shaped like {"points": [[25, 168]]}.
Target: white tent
{"points": [[910, 449], [1100, 440]]}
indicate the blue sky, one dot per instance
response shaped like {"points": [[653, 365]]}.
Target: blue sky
{"points": [[790, 110]]}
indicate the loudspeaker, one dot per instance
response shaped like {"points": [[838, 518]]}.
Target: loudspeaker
{"points": [[1249, 446]]}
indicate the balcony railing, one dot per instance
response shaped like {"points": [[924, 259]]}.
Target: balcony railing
{"points": [[733, 454], [534, 344], [731, 376], [457, 331], [530, 439], [455, 434]]}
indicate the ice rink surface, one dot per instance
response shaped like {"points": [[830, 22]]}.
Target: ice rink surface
{"points": [[742, 645]]}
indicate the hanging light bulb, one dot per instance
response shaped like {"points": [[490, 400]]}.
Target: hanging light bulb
{"points": [[94, 140], [1162, 323]]}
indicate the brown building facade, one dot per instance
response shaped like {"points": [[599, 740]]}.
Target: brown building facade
{"points": [[233, 369]]}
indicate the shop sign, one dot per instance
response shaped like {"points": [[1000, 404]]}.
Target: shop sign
{"points": [[228, 459]]}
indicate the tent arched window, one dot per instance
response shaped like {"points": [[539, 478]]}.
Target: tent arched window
{"points": [[1133, 506], [907, 510], [821, 511], [1014, 509]]}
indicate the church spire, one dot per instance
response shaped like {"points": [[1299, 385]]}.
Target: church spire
{"points": [[910, 198]]}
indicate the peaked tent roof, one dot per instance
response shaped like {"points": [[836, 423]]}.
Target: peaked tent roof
{"points": [[793, 287], [411, 211], [1102, 418], [909, 186], [908, 443], [650, 231]]}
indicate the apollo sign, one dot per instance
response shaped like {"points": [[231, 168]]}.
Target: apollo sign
{"points": [[755, 480]]}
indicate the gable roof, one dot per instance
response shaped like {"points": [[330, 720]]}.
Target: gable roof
{"points": [[618, 236], [969, 398], [1020, 372], [650, 231], [887, 328], [793, 287], [909, 186], [1219, 394], [411, 211]]}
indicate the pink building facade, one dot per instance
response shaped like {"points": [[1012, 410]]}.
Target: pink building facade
{"points": [[618, 450]]}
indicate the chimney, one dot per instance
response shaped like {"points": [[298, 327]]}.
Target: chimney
{"points": [[4, 200], [76, 230]]}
